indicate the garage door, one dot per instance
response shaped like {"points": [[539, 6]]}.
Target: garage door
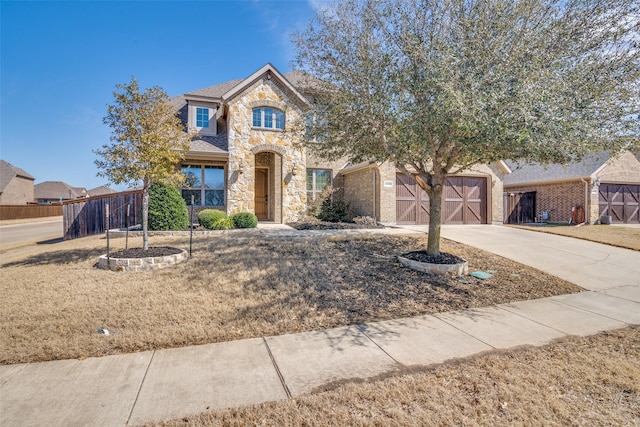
{"points": [[621, 202], [464, 201]]}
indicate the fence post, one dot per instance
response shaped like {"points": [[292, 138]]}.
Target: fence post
{"points": [[126, 224], [191, 222], [107, 224]]}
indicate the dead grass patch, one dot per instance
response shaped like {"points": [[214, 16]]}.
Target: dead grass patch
{"points": [[236, 286], [592, 381], [623, 237]]}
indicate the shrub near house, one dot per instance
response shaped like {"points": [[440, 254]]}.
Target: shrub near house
{"points": [[167, 208]]}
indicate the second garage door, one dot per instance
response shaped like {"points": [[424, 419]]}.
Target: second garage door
{"points": [[621, 202], [464, 201]]}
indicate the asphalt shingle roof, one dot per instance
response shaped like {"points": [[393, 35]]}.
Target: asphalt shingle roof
{"points": [[210, 144], [216, 91], [522, 173], [102, 190], [49, 190]]}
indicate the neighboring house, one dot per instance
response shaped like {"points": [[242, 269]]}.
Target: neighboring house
{"points": [[16, 185], [599, 185], [101, 191], [244, 159], [49, 192]]}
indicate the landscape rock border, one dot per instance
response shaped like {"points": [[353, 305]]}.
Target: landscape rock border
{"points": [[459, 269], [140, 264]]}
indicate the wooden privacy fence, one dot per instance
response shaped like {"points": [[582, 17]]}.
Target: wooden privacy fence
{"points": [[29, 211], [86, 217]]}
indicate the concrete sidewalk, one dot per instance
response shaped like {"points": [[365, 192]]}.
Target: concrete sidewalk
{"points": [[136, 388]]}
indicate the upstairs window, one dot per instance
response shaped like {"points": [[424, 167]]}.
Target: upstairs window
{"points": [[268, 118], [202, 117]]}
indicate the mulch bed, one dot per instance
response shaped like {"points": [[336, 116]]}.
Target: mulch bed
{"points": [[323, 225], [141, 253], [442, 258]]}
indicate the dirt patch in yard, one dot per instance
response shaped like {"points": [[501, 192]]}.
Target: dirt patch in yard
{"points": [[235, 286], [592, 381]]}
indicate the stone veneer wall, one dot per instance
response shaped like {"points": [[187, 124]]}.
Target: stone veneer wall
{"points": [[245, 142]]}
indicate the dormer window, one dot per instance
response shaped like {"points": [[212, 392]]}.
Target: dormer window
{"points": [[202, 117], [268, 118]]}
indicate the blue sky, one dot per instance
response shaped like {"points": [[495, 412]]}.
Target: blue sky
{"points": [[60, 62]]}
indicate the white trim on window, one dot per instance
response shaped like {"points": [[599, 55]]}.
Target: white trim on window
{"points": [[266, 117]]}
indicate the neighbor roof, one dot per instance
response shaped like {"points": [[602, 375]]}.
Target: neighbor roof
{"points": [[50, 190], [8, 172], [522, 173], [100, 191]]}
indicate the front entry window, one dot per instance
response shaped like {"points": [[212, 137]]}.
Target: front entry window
{"points": [[317, 181], [205, 184]]}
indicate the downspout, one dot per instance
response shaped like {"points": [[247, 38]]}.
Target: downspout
{"points": [[587, 201]]}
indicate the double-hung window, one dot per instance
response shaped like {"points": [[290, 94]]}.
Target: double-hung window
{"points": [[205, 184], [268, 118], [317, 181]]}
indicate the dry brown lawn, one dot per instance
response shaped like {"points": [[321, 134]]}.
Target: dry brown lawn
{"points": [[624, 237], [238, 285], [592, 381]]}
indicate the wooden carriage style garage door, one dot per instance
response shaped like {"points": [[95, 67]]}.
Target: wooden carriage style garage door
{"points": [[464, 201], [621, 202]]}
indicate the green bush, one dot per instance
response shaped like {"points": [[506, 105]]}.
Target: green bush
{"points": [[223, 224], [334, 211], [245, 220], [167, 209], [208, 217]]}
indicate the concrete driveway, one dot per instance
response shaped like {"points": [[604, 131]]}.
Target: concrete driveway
{"points": [[593, 266]]}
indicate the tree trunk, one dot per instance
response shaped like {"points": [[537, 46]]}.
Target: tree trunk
{"points": [[435, 220], [145, 216], [435, 215]]}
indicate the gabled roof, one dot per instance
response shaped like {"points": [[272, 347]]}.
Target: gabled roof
{"points": [[522, 173], [8, 172], [271, 72], [100, 191], [50, 190]]}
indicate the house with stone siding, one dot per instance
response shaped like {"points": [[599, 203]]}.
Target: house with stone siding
{"points": [[247, 157], [602, 184]]}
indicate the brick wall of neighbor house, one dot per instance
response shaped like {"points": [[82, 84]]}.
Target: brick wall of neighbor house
{"points": [[557, 198], [19, 191], [245, 143]]}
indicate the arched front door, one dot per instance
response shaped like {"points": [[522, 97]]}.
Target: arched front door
{"points": [[262, 194], [268, 186]]}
